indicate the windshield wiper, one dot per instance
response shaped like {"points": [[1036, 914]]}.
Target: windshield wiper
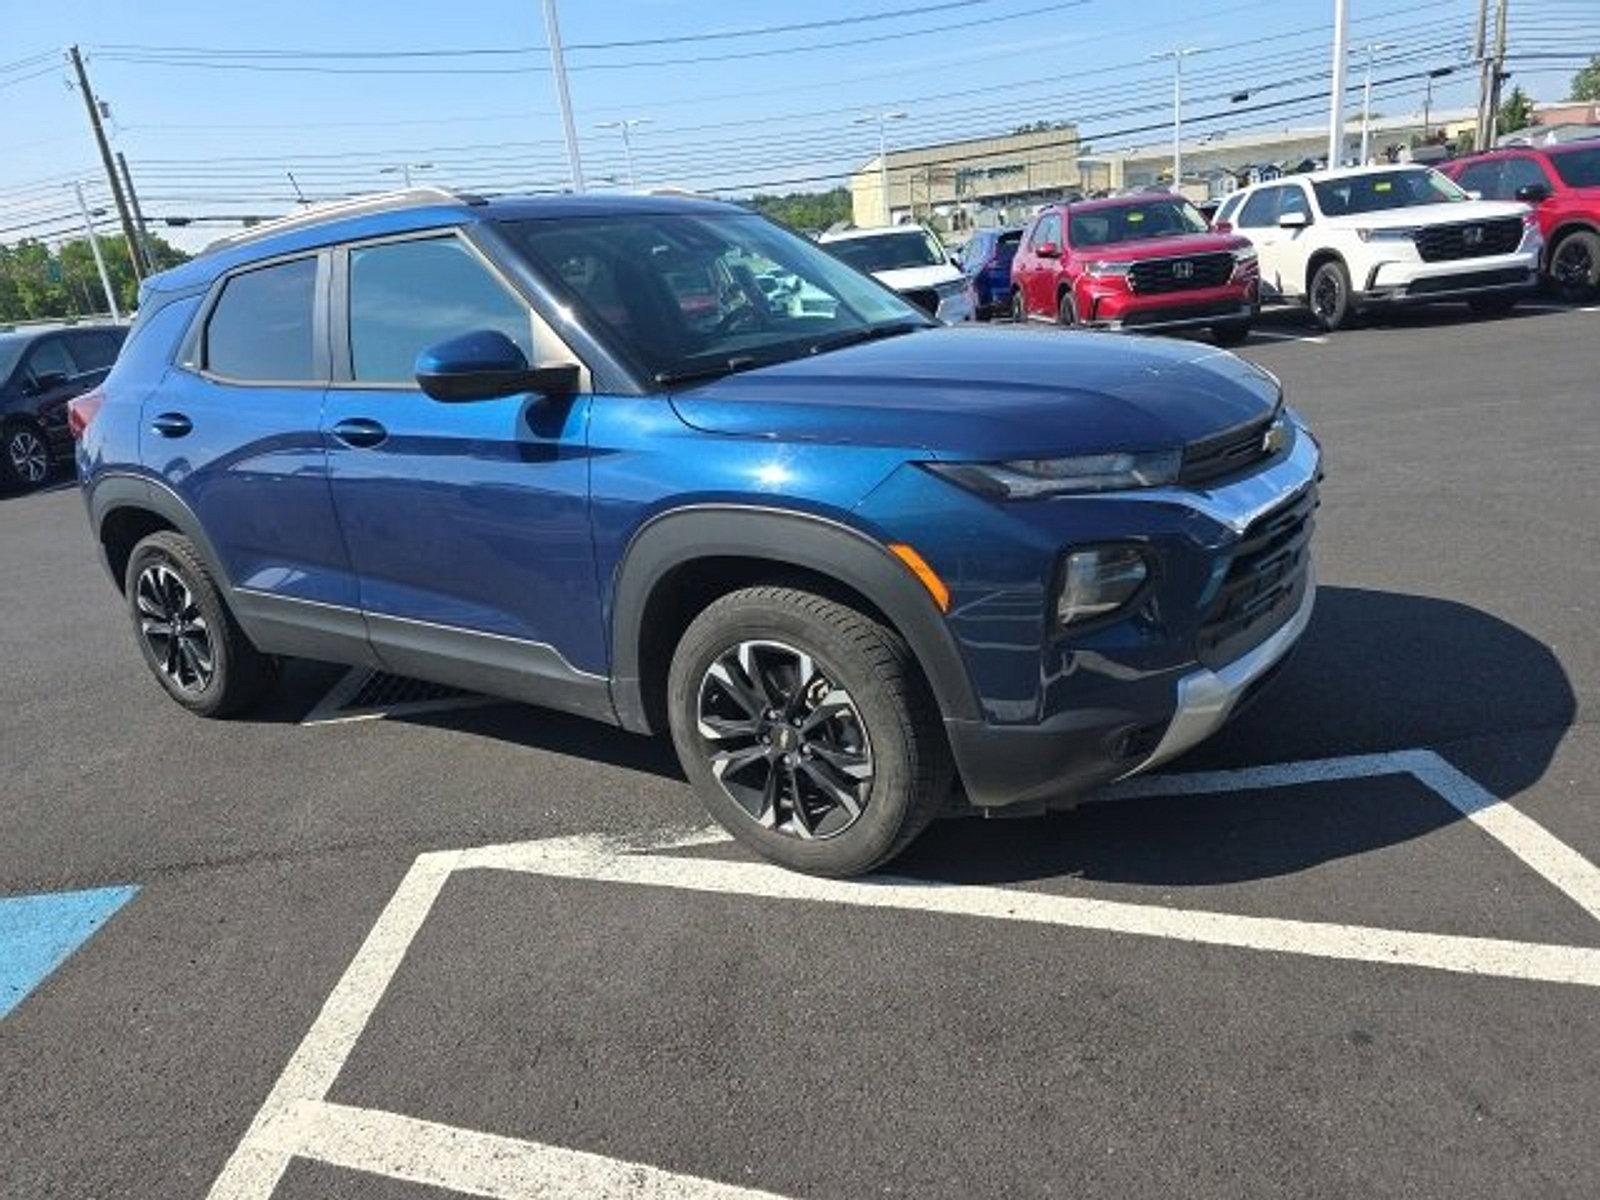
{"points": [[868, 333], [715, 370]]}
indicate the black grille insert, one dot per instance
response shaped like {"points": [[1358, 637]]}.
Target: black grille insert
{"points": [[1158, 275], [1469, 239], [1225, 453], [1264, 583]]}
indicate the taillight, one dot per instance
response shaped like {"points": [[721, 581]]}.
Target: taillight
{"points": [[82, 410]]}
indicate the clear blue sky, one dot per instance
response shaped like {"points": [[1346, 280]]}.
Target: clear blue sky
{"points": [[210, 130]]}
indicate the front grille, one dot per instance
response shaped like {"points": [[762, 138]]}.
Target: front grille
{"points": [[925, 298], [1159, 275], [1469, 239], [1224, 453], [1502, 277], [1264, 583]]}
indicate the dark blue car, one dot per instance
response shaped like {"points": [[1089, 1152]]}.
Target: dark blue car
{"points": [[573, 451], [986, 258]]}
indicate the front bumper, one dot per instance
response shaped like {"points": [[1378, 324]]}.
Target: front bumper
{"points": [[1413, 281], [1109, 304]]}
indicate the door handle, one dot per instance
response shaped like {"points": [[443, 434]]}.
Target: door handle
{"points": [[172, 425], [360, 432]]}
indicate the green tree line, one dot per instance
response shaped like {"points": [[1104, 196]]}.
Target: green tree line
{"points": [[38, 282], [805, 210]]}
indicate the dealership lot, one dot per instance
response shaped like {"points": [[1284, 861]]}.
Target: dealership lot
{"points": [[1373, 971]]}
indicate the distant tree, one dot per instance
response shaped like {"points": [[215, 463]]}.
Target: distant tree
{"points": [[1041, 127], [1516, 112], [37, 283], [806, 210], [1586, 83]]}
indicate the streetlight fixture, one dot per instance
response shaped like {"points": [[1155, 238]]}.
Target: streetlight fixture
{"points": [[627, 126], [404, 170], [1366, 100], [882, 119], [94, 247], [1427, 98], [1177, 57]]}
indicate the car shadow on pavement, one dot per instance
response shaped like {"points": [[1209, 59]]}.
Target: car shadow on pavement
{"points": [[1376, 671]]}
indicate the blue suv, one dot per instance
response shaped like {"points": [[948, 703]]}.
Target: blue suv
{"points": [[579, 451]]}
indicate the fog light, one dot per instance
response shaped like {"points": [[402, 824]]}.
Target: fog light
{"points": [[1099, 581]]}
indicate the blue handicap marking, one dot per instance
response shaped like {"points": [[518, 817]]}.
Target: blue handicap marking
{"points": [[39, 933]]}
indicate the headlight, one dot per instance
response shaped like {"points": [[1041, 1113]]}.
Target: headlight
{"points": [[1403, 234], [1029, 478], [1098, 581], [1098, 268]]}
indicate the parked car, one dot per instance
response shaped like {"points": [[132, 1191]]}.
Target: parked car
{"points": [[1562, 183], [912, 261], [1363, 238], [1144, 261], [986, 259], [847, 559], [40, 370]]}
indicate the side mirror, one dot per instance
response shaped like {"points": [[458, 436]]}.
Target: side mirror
{"points": [[1533, 193], [1293, 220], [485, 365], [1047, 250]]}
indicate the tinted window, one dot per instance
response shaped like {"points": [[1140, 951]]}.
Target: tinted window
{"points": [[1483, 178], [1132, 222], [1261, 209], [1225, 213], [261, 327], [50, 357], [408, 296], [1292, 199], [1520, 173], [889, 251], [1578, 168], [1378, 191], [95, 351], [1048, 230]]}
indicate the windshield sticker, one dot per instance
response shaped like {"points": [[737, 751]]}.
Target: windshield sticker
{"points": [[1135, 217], [1383, 185]]}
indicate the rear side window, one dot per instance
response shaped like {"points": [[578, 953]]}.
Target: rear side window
{"points": [[49, 358], [1261, 209], [1483, 178], [260, 330], [94, 351], [408, 296], [1521, 173]]}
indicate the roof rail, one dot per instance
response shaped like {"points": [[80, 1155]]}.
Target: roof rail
{"points": [[356, 206]]}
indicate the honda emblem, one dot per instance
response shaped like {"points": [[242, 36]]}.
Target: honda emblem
{"points": [[1183, 270], [1472, 235]]}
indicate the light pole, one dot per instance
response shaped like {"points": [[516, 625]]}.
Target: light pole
{"points": [[627, 126], [1341, 20], [1427, 98], [404, 170], [1366, 100], [882, 119], [94, 248], [1177, 57], [558, 67]]}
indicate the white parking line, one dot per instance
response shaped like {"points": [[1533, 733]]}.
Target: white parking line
{"points": [[1316, 339], [297, 1120]]}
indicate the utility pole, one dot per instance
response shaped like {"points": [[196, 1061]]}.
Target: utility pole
{"points": [[883, 119], [138, 213], [627, 127], [558, 65], [1341, 21], [93, 106], [1177, 57], [1366, 101], [99, 259], [1497, 74], [1481, 57]]}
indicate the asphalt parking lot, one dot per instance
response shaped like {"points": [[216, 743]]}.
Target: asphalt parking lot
{"points": [[1350, 947]]}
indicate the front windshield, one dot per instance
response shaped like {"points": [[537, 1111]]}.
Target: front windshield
{"points": [[1579, 167], [889, 251], [1166, 217], [685, 294], [1376, 191]]}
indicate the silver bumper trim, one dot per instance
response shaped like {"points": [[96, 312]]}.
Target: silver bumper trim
{"points": [[1206, 698]]}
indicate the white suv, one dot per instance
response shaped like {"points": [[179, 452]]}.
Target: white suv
{"points": [[1342, 241], [912, 261]]}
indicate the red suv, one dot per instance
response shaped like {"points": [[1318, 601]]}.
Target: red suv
{"points": [[1147, 261], [1563, 185]]}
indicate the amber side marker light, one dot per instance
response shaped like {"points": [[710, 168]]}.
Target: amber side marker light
{"points": [[920, 568]]}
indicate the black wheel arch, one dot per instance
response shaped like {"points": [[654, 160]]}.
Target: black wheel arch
{"points": [[1561, 232], [1315, 263], [126, 508], [685, 557]]}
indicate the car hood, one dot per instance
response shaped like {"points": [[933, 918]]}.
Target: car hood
{"points": [[989, 394], [1166, 247], [919, 277], [1431, 214]]}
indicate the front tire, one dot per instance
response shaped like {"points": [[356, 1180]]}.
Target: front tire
{"points": [[24, 457], [1066, 310], [1019, 308], [1575, 265], [807, 730], [1329, 296], [189, 639]]}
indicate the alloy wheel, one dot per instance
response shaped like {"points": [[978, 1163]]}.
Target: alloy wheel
{"points": [[1573, 267], [29, 456], [785, 741], [173, 627], [1325, 296]]}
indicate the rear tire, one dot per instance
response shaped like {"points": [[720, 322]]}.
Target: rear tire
{"points": [[1575, 265], [189, 639], [1329, 296], [807, 730], [24, 457], [1230, 333]]}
